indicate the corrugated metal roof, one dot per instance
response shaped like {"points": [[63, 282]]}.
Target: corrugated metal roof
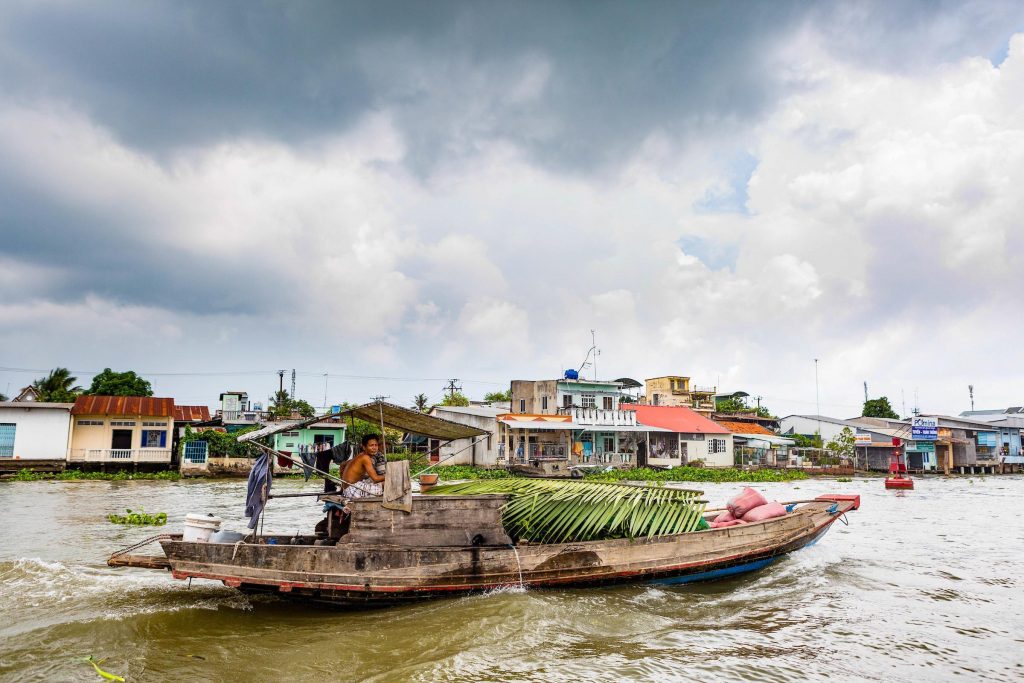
{"points": [[191, 413], [675, 419], [124, 405]]}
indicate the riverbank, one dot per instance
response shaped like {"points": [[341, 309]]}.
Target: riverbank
{"points": [[456, 472]]}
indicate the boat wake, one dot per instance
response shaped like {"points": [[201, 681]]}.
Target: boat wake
{"points": [[44, 593]]}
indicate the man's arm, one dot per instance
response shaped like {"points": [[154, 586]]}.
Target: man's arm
{"points": [[369, 470]]}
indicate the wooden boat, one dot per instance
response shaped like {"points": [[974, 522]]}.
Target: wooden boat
{"points": [[453, 545], [444, 545]]}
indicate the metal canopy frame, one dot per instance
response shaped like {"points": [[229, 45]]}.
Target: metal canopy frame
{"points": [[388, 414]]}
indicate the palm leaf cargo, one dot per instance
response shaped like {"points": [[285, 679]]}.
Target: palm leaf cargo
{"points": [[466, 538], [558, 511]]}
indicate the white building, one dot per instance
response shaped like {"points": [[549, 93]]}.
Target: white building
{"points": [[484, 453], [31, 430]]}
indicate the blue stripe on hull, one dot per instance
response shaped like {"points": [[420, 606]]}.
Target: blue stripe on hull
{"points": [[718, 573]]}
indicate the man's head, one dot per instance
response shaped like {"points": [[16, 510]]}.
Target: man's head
{"points": [[371, 444]]}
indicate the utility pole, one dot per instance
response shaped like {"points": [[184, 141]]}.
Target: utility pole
{"points": [[758, 399], [970, 390], [325, 391], [453, 386], [865, 391]]}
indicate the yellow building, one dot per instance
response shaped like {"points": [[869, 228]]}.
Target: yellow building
{"points": [[121, 429], [675, 390]]}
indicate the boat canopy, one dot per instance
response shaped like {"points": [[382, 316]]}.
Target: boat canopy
{"points": [[377, 412]]}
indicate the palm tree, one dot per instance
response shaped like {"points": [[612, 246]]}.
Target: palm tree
{"points": [[421, 403], [562, 511], [57, 387]]}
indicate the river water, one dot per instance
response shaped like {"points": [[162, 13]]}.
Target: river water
{"points": [[924, 585]]}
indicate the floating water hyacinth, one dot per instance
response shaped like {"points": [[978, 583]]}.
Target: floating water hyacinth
{"points": [[140, 518]]}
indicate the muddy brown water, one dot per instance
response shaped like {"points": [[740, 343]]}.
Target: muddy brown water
{"points": [[925, 585]]}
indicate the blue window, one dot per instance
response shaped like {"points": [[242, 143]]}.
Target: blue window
{"points": [[7, 440], [195, 452], [154, 438]]}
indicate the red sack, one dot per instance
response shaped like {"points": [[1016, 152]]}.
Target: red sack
{"points": [[725, 517], [766, 511], [731, 522], [744, 501]]}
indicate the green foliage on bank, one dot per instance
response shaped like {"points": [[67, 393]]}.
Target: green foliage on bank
{"points": [[78, 475], [221, 444], [725, 474], [455, 472]]}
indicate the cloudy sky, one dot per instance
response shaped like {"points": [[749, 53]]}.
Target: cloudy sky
{"points": [[399, 193]]}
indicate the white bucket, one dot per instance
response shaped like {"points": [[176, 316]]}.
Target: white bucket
{"points": [[198, 528]]}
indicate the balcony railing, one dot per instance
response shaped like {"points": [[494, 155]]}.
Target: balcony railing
{"points": [[600, 416], [124, 455], [704, 390], [249, 416]]}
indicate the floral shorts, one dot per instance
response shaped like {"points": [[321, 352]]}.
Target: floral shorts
{"points": [[364, 489]]}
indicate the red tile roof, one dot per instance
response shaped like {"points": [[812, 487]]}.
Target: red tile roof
{"points": [[124, 405], [744, 427], [191, 413], [674, 419]]}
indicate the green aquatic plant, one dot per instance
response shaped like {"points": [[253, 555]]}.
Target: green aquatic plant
{"points": [[559, 511], [140, 518]]}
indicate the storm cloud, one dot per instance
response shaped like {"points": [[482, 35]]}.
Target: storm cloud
{"points": [[422, 190]]}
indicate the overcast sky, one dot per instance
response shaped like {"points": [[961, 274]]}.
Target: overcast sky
{"points": [[209, 192]]}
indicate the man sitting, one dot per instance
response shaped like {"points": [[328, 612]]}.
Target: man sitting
{"points": [[361, 472]]}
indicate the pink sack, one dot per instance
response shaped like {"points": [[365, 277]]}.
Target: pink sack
{"points": [[731, 522], [766, 511], [725, 517], [744, 501]]}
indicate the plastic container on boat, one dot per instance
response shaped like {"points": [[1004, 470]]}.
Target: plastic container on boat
{"points": [[225, 536], [199, 528]]}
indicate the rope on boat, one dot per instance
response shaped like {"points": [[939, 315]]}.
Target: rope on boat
{"points": [[143, 542]]}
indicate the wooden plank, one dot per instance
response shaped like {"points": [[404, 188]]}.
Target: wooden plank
{"points": [[143, 561]]}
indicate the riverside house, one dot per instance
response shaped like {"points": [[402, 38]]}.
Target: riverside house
{"points": [[121, 430], [678, 436], [34, 434]]}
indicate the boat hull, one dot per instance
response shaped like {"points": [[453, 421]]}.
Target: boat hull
{"points": [[360, 574]]}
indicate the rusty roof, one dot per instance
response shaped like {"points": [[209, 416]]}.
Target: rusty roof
{"points": [[745, 427], [148, 406], [191, 413]]}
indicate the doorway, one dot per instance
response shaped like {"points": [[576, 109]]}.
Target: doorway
{"points": [[323, 438], [121, 440]]}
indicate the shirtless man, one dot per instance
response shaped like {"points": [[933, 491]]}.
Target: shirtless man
{"points": [[360, 471]]}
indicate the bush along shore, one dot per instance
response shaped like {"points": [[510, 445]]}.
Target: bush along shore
{"points": [[724, 474], [78, 475]]}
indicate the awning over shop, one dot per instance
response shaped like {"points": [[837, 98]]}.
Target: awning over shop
{"points": [[392, 416], [545, 425], [767, 438]]}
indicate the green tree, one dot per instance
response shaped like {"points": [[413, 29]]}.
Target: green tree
{"points": [[497, 396], [843, 444], [3, 396], [283, 405], [879, 407], [421, 403], [732, 404], [110, 383], [455, 399], [802, 441], [57, 387]]}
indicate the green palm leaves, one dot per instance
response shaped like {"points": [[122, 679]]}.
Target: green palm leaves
{"points": [[556, 511]]}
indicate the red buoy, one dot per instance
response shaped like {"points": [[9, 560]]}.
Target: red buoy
{"points": [[898, 477]]}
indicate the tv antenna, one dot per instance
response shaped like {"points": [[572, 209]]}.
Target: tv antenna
{"points": [[593, 350], [970, 390], [293, 384]]}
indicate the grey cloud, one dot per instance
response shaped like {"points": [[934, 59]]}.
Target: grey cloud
{"points": [[167, 75]]}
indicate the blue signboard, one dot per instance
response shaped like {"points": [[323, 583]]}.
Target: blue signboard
{"points": [[924, 428]]}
